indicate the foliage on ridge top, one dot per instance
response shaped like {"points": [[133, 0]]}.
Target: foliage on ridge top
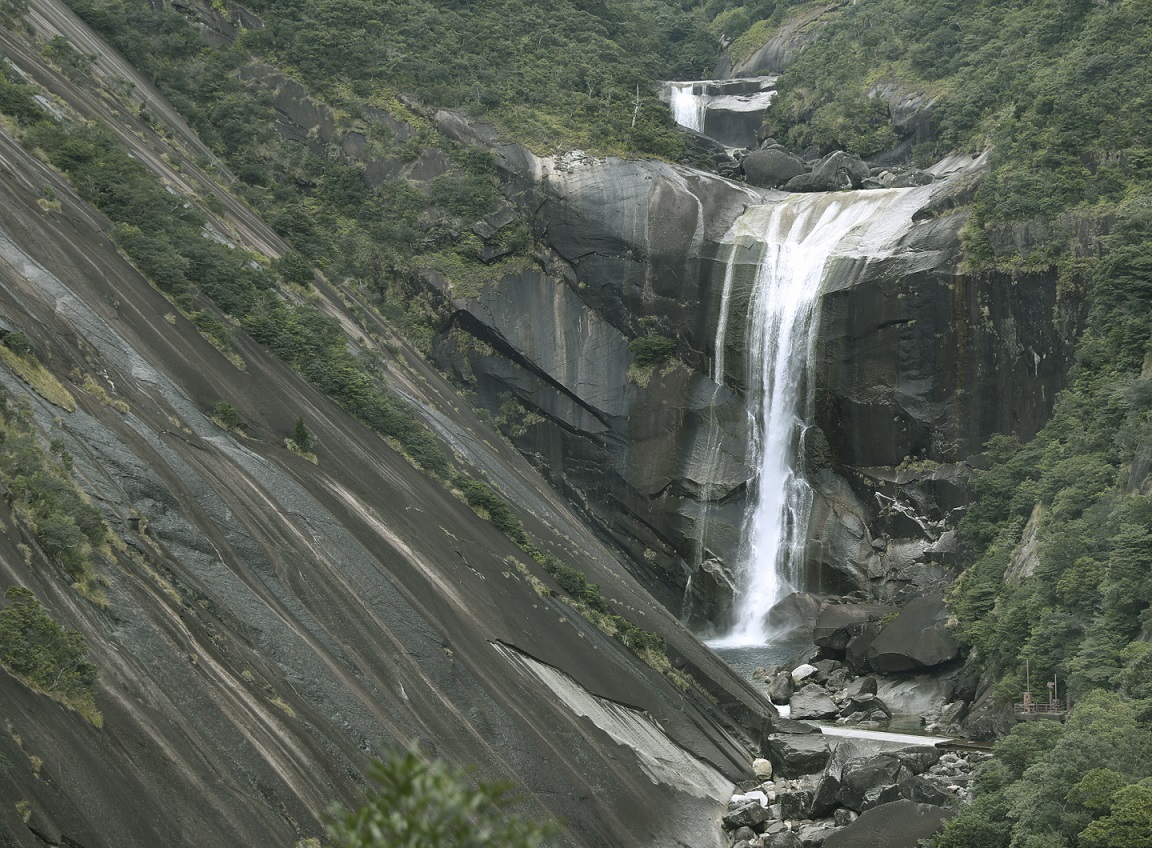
{"points": [[1060, 90]]}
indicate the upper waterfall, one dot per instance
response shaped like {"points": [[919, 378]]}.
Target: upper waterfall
{"points": [[728, 111], [776, 258]]}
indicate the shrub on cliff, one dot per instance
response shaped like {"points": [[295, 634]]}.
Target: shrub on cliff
{"points": [[45, 654]]}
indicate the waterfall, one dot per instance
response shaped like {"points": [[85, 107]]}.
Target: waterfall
{"points": [[777, 256], [688, 106]]}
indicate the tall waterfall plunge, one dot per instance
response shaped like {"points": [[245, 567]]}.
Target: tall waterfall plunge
{"points": [[778, 256]]}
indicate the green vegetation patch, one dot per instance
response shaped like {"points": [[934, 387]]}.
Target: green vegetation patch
{"points": [[1059, 90], [414, 802], [65, 524], [1088, 600], [46, 656], [1081, 784], [165, 237]]}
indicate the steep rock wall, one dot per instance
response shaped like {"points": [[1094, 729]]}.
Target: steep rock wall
{"points": [[918, 363], [272, 624]]}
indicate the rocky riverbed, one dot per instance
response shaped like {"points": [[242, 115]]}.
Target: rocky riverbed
{"points": [[812, 789]]}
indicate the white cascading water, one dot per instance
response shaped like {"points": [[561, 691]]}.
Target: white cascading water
{"points": [[688, 107], [797, 239]]}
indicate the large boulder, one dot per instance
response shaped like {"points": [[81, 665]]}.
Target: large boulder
{"points": [[837, 624], [863, 776], [794, 614], [838, 171], [917, 638], [812, 702], [901, 824], [749, 814], [918, 758], [795, 755], [772, 167], [826, 796], [781, 688], [924, 791], [856, 653], [862, 703], [917, 694]]}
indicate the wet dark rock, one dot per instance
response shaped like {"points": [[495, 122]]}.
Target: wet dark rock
{"points": [[861, 686], [901, 824], [745, 834], [844, 817], [781, 688], [862, 776], [864, 703], [790, 727], [796, 804], [878, 795], [824, 668], [749, 815], [813, 835], [924, 791], [838, 623], [919, 758], [796, 755], [784, 839], [812, 702], [838, 679], [917, 638], [856, 654]]}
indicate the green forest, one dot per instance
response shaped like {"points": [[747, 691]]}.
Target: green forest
{"points": [[1057, 92]]}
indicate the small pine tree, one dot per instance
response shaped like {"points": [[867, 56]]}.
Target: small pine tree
{"points": [[227, 415], [301, 438]]}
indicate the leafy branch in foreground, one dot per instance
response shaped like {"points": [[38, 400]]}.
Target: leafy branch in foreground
{"points": [[414, 803]]}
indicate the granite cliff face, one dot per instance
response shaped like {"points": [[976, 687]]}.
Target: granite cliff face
{"points": [[271, 624], [918, 363]]}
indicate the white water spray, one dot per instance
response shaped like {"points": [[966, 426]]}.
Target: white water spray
{"points": [[796, 242], [689, 104]]}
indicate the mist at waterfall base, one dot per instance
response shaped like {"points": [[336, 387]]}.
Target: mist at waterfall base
{"points": [[778, 256]]}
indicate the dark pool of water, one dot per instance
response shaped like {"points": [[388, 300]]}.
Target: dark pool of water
{"points": [[745, 659]]}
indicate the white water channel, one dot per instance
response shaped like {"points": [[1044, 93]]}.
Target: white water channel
{"points": [[778, 256]]}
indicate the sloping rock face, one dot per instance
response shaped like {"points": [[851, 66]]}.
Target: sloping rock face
{"points": [[272, 624], [781, 49], [656, 453]]}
